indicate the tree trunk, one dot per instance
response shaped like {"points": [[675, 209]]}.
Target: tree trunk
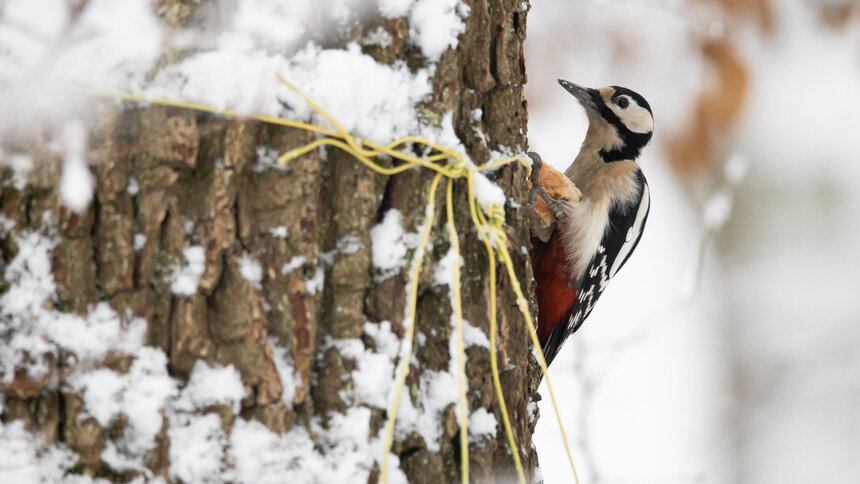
{"points": [[232, 263]]}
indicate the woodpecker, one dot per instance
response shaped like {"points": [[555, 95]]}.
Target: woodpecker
{"points": [[595, 236]]}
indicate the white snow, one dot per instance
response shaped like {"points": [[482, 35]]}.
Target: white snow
{"points": [[293, 264], [29, 275], [487, 193], [251, 270], [20, 165], [379, 37], [97, 51], [388, 244], [35, 333], [119, 461], [279, 232], [92, 337], [267, 159], [133, 187], [436, 390], [197, 448], [474, 336], [102, 392], [383, 337], [482, 425], [236, 68], [214, 385], [26, 457], [443, 272], [290, 378], [373, 375], [76, 183], [434, 26], [148, 390], [348, 244], [261, 456], [275, 24], [6, 225], [186, 278], [395, 8], [342, 451], [376, 102], [316, 283], [140, 395], [139, 242]]}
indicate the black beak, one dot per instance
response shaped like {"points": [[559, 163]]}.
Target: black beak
{"points": [[585, 96]]}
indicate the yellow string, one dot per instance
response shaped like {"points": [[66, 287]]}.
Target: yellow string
{"points": [[402, 370], [505, 257], [494, 365], [463, 406], [457, 168]]}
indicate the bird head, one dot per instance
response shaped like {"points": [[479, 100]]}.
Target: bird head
{"points": [[620, 121]]}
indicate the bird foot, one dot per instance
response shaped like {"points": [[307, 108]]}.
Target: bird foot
{"points": [[557, 207]]}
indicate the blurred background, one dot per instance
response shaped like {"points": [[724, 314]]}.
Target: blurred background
{"points": [[728, 349]]}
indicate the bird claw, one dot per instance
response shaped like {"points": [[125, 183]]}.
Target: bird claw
{"points": [[534, 177], [557, 207]]}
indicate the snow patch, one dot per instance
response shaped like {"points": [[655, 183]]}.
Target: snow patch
{"points": [[101, 54], [316, 282], [267, 159], [251, 270], [139, 242], [436, 391], [20, 165], [33, 334], [140, 395], [133, 187], [377, 104], [395, 8], [435, 26], [348, 244], [279, 232], [373, 375], [342, 451], [482, 425], [383, 337], [443, 273], [76, 183], [213, 385], [26, 457], [389, 244], [290, 378], [29, 275], [197, 448], [487, 193], [379, 37], [474, 336], [185, 279], [293, 264]]}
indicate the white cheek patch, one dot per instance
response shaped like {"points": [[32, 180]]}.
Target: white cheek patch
{"points": [[635, 117]]}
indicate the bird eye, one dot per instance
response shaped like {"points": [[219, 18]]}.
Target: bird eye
{"points": [[622, 102]]}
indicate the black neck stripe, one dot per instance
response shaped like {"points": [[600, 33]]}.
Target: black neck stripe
{"points": [[633, 144]]}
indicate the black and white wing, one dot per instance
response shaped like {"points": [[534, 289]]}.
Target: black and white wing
{"points": [[626, 224]]}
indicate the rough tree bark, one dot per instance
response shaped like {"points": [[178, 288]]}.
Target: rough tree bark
{"points": [[201, 181]]}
